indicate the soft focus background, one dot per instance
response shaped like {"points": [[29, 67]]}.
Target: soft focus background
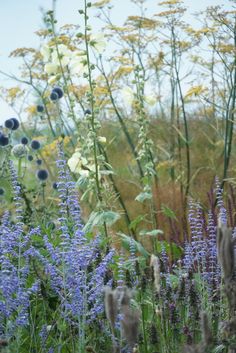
{"points": [[20, 19]]}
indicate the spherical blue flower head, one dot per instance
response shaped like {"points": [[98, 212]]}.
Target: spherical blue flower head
{"points": [[40, 108], [4, 140], [30, 158], [9, 124], [24, 140], [59, 91], [16, 123], [42, 174], [87, 111], [55, 186], [39, 161], [54, 96], [35, 145], [2, 191]]}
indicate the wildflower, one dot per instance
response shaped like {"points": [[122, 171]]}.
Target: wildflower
{"points": [[64, 55], [51, 68], [40, 108], [35, 145], [42, 174], [150, 100], [24, 141], [97, 41], [45, 52], [12, 124], [59, 92], [30, 158], [39, 161], [9, 123], [2, 191], [4, 140], [19, 151], [16, 123], [55, 186], [102, 139], [74, 162], [76, 66], [54, 96], [127, 95]]}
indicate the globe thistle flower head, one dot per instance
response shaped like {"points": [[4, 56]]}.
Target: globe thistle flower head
{"points": [[16, 123], [4, 140], [54, 96], [24, 140], [59, 92], [42, 174], [40, 108], [35, 145], [87, 111], [2, 191], [9, 124], [19, 151], [55, 186], [39, 161], [30, 158]]}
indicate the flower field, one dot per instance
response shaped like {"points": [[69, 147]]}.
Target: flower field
{"points": [[117, 184]]}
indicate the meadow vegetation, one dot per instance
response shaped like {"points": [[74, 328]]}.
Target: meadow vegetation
{"points": [[117, 185]]}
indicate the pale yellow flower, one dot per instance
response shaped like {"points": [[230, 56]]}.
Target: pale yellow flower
{"points": [[74, 162], [51, 68], [98, 42], [102, 139], [52, 80], [127, 95], [45, 52], [76, 67], [150, 100]]}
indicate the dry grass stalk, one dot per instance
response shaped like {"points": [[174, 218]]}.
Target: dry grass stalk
{"points": [[155, 263]]}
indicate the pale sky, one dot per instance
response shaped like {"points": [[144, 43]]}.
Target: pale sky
{"points": [[19, 19]]}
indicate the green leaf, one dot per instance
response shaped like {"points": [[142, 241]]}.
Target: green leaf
{"points": [[133, 225], [143, 196], [106, 172], [97, 219], [168, 212], [138, 246], [219, 349], [151, 233], [82, 182]]}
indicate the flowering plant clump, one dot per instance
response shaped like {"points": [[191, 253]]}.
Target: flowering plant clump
{"points": [[64, 265], [110, 240]]}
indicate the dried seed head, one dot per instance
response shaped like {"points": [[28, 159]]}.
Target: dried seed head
{"points": [[226, 252], [125, 296], [129, 324], [206, 331], [111, 306], [155, 263]]}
